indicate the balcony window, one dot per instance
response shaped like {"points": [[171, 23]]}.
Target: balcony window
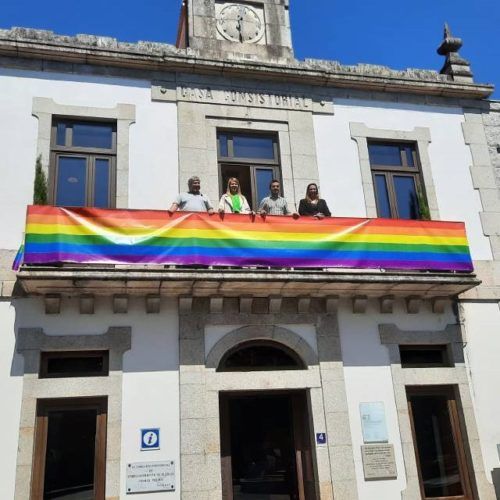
{"points": [[83, 164], [251, 158], [399, 190]]}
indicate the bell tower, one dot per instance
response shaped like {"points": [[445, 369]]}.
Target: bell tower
{"points": [[239, 29]]}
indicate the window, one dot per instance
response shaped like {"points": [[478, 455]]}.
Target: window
{"points": [[253, 159], [424, 356], [439, 445], [399, 191], [83, 163], [262, 355], [74, 364], [70, 449]]}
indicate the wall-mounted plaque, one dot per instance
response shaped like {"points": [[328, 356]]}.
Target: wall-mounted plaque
{"points": [[379, 461], [373, 422], [148, 477]]}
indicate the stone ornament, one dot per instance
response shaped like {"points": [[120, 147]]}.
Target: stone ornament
{"points": [[240, 23]]}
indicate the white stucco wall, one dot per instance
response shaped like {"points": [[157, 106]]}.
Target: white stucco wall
{"points": [[368, 378], [11, 386], [153, 174], [450, 159], [150, 385], [482, 327]]}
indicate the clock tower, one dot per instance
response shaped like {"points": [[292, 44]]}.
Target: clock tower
{"points": [[257, 29]]}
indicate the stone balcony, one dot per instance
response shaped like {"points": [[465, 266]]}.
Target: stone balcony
{"points": [[122, 253]]}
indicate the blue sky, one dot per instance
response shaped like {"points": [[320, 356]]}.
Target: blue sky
{"points": [[395, 33]]}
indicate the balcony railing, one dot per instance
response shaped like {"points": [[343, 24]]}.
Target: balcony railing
{"points": [[143, 252]]}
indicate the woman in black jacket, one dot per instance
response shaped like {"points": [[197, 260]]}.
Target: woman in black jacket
{"points": [[312, 204]]}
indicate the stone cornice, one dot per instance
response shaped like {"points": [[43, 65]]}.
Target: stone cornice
{"points": [[103, 51], [40, 281]]}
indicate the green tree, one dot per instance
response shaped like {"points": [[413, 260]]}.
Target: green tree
{"points": [[40, 185]]}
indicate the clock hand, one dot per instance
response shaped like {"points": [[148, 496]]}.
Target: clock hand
{"points": [[239, 27]]}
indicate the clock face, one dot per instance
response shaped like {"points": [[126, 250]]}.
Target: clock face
{"points": [[240, 23]]}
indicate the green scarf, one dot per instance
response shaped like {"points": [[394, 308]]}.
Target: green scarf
{"points": [[236, 199]]}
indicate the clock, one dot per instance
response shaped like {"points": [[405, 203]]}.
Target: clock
{"points": [[240, 23]]}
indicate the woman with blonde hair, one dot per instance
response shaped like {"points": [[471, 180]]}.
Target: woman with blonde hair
{"points": [[232, 201], [312, 204]]}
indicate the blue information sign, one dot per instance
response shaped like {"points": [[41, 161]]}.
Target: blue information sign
{"points": [[150, 439]]}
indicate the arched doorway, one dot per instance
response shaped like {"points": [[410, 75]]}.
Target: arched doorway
{"points": [[266, 443]]}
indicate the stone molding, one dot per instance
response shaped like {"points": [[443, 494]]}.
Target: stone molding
{"points": [[45, 109], [30, 343], [204, 91], [198, 124], [361, 133], [392, 336], [277, 334], [89, 49], [200, 385], [481, 131]]}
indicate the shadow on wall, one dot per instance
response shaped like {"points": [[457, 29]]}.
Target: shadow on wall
{"points": [[360, 337], [155, 337]]}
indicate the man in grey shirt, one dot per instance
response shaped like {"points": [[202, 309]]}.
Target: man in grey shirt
{"points": [[275, 204], [193, 200]]}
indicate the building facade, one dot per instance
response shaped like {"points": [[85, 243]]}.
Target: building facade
{"points": [[252, 381]]}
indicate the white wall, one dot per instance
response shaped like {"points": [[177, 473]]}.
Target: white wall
{"points": [[153, 181], [150, 377], [368, 378], [11, 386], [450, 158], [482, 328]]}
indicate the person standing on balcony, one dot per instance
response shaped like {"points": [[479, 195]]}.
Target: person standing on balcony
{"points": [[193, 200], [232, 201], [275, 204], [312, 204]]}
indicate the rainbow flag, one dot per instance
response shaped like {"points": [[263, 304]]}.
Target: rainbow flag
{"points": [[18, 260], [95, 236]]}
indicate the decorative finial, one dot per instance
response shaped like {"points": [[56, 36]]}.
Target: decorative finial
{"points": [[455, 66], [447, 31]]}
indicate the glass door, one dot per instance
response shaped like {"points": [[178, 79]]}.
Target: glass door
{"points": [[439, 444]]}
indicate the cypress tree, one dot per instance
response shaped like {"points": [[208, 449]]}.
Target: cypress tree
{"points": [[40, 185]]}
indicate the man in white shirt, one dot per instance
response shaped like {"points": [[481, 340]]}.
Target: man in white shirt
{"points": [[193, 200], [275, 204]]}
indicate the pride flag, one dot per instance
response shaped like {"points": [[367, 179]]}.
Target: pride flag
{"points": [[95, 236], [18, 260]]}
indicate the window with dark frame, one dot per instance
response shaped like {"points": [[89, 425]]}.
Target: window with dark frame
{"points": [[66, 364], [83, 163], [424, 356], [260, 356], [250, 157], [397, 180]]}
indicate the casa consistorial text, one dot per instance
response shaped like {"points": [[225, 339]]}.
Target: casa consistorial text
{"points": [[232, 96]]}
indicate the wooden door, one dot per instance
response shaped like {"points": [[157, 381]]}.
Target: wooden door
{"points": [[440, 444], [302, 466], [303, 447], [70, 448]]}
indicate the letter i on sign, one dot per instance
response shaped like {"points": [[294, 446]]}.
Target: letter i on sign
{"points": [[150, 439]]}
